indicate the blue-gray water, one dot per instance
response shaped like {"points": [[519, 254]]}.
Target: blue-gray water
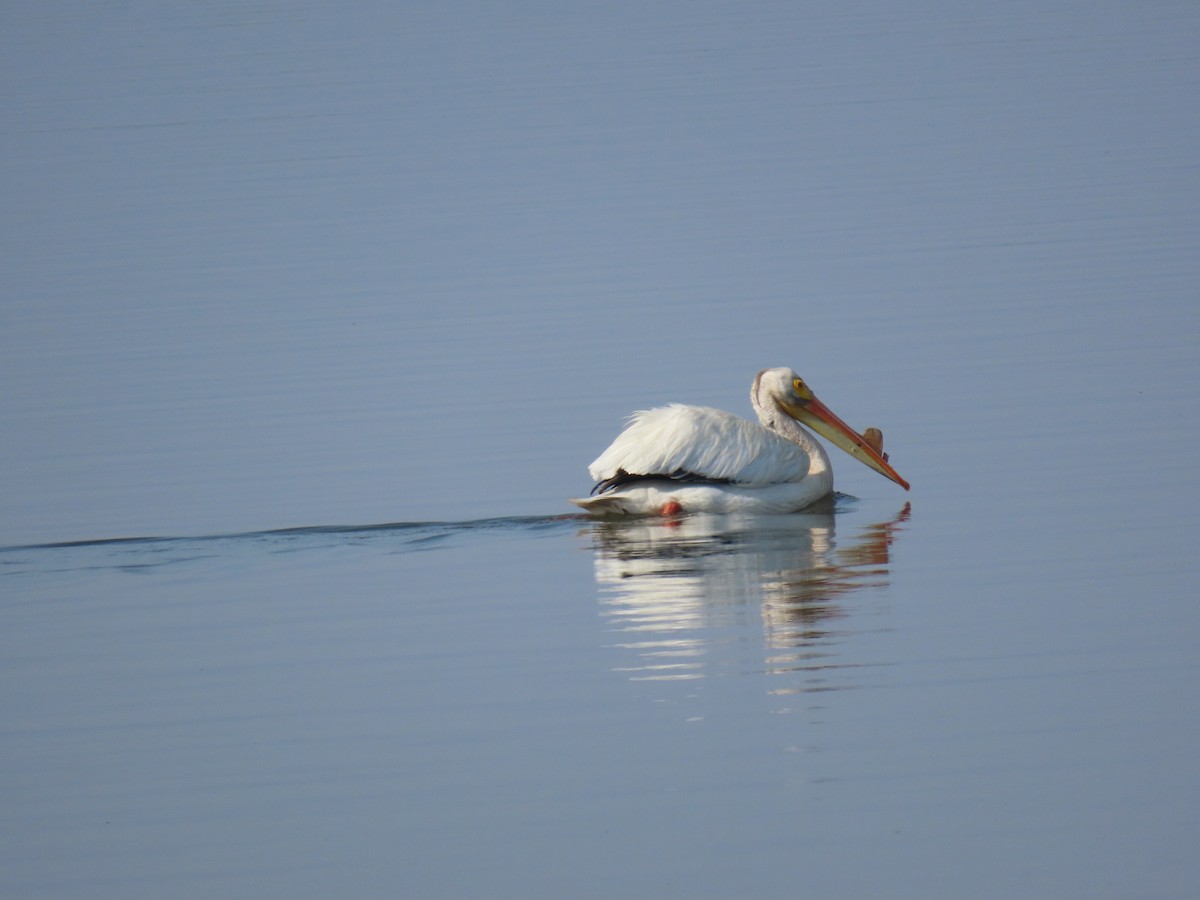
{"points": [[334, 304]]}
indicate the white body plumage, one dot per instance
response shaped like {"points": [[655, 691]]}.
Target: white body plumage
{"points": [[765, 472]]}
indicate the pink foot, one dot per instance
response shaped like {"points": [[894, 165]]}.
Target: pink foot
{"points": [[671, 508]]}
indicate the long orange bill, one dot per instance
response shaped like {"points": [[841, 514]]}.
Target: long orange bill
{"points": [[819, 417]]}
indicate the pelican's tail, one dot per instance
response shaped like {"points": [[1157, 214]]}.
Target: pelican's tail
{"points": [[609, 505]]}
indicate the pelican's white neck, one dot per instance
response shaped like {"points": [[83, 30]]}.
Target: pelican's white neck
{"points": [[773, 418]]}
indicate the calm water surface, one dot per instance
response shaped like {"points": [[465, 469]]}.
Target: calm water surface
{"points": [[311, 319]]}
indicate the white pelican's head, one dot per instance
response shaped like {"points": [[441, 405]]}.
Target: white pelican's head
{"points": [[787, 392]]}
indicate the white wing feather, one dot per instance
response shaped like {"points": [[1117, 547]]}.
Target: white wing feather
{"points": [[707, 442]]}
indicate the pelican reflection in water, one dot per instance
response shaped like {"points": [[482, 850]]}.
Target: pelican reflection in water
{"points": [[668, 587]]}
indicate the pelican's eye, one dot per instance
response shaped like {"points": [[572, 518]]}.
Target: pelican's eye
{"points": [[801, 389]]}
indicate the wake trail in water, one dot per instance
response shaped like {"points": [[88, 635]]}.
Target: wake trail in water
{"points": [[411, 530]]}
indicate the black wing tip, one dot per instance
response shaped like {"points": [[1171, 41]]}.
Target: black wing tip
{"points": [[613, 481], [681, 476]]}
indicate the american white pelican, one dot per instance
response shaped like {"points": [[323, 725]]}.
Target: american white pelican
{"points": [[685, 459]]}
